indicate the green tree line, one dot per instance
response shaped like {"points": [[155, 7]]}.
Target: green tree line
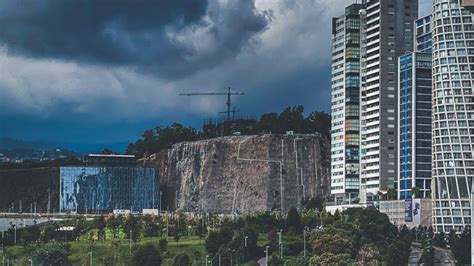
{"points": [[290, 119]]}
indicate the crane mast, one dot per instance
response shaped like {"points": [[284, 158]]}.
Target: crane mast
{"points": [[228, 103]]}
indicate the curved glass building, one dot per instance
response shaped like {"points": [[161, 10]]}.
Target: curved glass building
{"points": [[453, 115]]}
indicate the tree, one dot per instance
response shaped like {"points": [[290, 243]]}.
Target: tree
{"points": [[100, 222], [51, 254], [114, 223], [147, 255], [439, 240], [132, 225], [334, 244], [108, 151], [275, 260], [367, 255], [293, 221], [269, 123], [337, 215], [217, 239], [316, 203], [319, 122], [331, 259], [310, 218], [163, 244], [182, 260], [461, 246], [292, 119], [416, 192], [151, 227]]}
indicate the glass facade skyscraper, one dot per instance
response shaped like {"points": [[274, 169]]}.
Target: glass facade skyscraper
{"points": [[414, 114], [414, 124], [103, 189], [453, 115]]}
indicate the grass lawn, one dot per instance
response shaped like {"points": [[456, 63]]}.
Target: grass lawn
{"points": [[118, 250]]}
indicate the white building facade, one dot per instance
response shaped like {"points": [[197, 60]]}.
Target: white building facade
{"points": [[345, 105], [453, 115]]}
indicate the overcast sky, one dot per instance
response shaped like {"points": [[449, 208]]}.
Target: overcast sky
{"points": [[89, 72]]}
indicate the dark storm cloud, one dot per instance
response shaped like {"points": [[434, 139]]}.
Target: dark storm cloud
{"points": [[153, 35]]}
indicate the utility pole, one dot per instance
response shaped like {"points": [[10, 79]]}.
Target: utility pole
{"points": [[49, 200]]}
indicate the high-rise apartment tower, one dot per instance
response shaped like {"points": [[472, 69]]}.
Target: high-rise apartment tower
{"points": [[345, 105], [453, 115], [387, 33]]}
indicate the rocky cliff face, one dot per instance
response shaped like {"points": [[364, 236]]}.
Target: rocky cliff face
{"points": [[243, 174]]}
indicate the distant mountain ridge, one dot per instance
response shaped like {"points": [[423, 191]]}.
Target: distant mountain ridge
{"points": [[14, 144]]}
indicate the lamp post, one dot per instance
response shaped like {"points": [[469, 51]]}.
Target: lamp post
{"points": [[130, 242], [90, 255], [266, 255], [14, 234], [304, 241], [280, 242], [161, 196], [30, 261], [207, 259]]}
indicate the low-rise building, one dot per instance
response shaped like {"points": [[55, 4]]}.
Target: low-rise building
{"points": [[409, 212]]}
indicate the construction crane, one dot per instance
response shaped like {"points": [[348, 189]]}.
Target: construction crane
{"points": [[228, 102], [233, 112]]}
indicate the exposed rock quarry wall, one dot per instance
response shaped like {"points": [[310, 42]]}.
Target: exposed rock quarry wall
{"points": [[243, 174]]}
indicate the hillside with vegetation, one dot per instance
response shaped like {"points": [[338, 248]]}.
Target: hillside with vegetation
{"points": [[290, 119]]}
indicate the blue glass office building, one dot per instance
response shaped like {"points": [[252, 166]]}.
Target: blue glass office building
{"points": [[103, 189], [414, 124]]}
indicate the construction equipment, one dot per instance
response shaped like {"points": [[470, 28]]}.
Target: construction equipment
{"points": [[228, 102], [233, 112]]}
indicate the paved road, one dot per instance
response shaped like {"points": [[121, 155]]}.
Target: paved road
{"points": [[443, 257], [415, 256]]}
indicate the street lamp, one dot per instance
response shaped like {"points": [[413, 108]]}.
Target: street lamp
{"points": [[130, 242], [266, 255], [161, 195], [207, 259], [14, 235], [304, 243], [30, 261], [90, 255], [280, 242], [246, 237]]}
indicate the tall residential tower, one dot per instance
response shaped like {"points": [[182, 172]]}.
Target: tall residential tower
{"points": [[345, 105], [453, 115], [387, 34]]}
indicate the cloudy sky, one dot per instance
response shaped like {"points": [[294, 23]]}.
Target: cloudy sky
{"points": [[91, 73]]}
